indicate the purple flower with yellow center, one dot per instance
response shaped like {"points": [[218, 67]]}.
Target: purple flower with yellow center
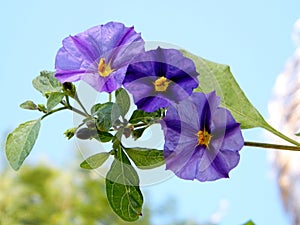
{"points": [[99, 56], [202, 140], [160, 77]]}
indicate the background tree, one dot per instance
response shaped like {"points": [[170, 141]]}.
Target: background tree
{"points": [[43, 195], [284, 112]]}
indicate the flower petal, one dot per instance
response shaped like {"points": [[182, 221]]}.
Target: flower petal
{"points": [[161, 64], [80, 55]]}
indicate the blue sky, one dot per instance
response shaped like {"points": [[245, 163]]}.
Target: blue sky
{"points": [[252, 37]]}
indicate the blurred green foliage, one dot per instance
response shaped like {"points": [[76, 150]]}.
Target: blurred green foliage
{"points": [[42, 195]]}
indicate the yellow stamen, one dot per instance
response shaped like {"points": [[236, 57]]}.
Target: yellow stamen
{"points": [[104, 70], [161, 84], [203, 138]]}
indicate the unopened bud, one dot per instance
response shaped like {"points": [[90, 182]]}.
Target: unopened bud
{"points": [[69, 89], [84, 133], [70, 132]]}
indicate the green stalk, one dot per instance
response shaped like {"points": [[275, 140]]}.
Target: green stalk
{"points": [[279, 134], [272, 146]]}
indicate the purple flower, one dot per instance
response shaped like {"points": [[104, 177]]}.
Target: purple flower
{"points": [[202, 140], [159, 78], [99, 56]]}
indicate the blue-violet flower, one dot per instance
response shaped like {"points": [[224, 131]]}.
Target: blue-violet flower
{"points": [[202, 140], [99, 56], [160, 77]]}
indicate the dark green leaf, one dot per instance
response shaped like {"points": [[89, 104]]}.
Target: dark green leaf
{"points": [[46, 83], [137, 133], [218, 77], [122, 189], [20, 142], [298, 134], [142, 116], [145, 158], [107, 114], [104, 136], [29, 105], [54, 99], [123, 101], [249, 223], [95, 161]]}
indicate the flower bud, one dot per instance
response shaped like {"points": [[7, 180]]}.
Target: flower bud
{"points": [[70, 132], [69, 89], [84, 133]]}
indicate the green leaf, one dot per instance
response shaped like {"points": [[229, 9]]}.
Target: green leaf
{"points": [[123, 101], [249, 223], [104, 136], [95, 161], [122, 188], [54, 99], [142, 116], [46, 83], [29, 105], [298, 134], [145, 158], [137, 133], [218, 77], [107, 114], [20, 142]]}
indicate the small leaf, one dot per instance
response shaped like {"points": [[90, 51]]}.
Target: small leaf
{"points": [[249, 223], [298, 134], [137, 133], [54, 99], [123, 101], [107, 114], [104, 136], [145, 158], [95, 161], [122, 189], [142, 116], [29, 105], [46, 83], [20, 142]]}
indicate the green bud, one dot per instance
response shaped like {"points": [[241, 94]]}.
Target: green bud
{"points": [[42, 108], [70, 132], [69, 89]]}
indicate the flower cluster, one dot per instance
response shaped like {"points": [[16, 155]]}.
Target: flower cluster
{"points": [[202, 140]]}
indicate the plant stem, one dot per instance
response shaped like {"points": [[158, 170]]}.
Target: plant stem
{"points": [[272, 146], [54, 111], [78, 111], [277, 133], [109, 97], [81, 105], [67, 104]]}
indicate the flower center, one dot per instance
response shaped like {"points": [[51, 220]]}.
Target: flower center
{"points": [[104, 70], [203, 138], [161, 84]]}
